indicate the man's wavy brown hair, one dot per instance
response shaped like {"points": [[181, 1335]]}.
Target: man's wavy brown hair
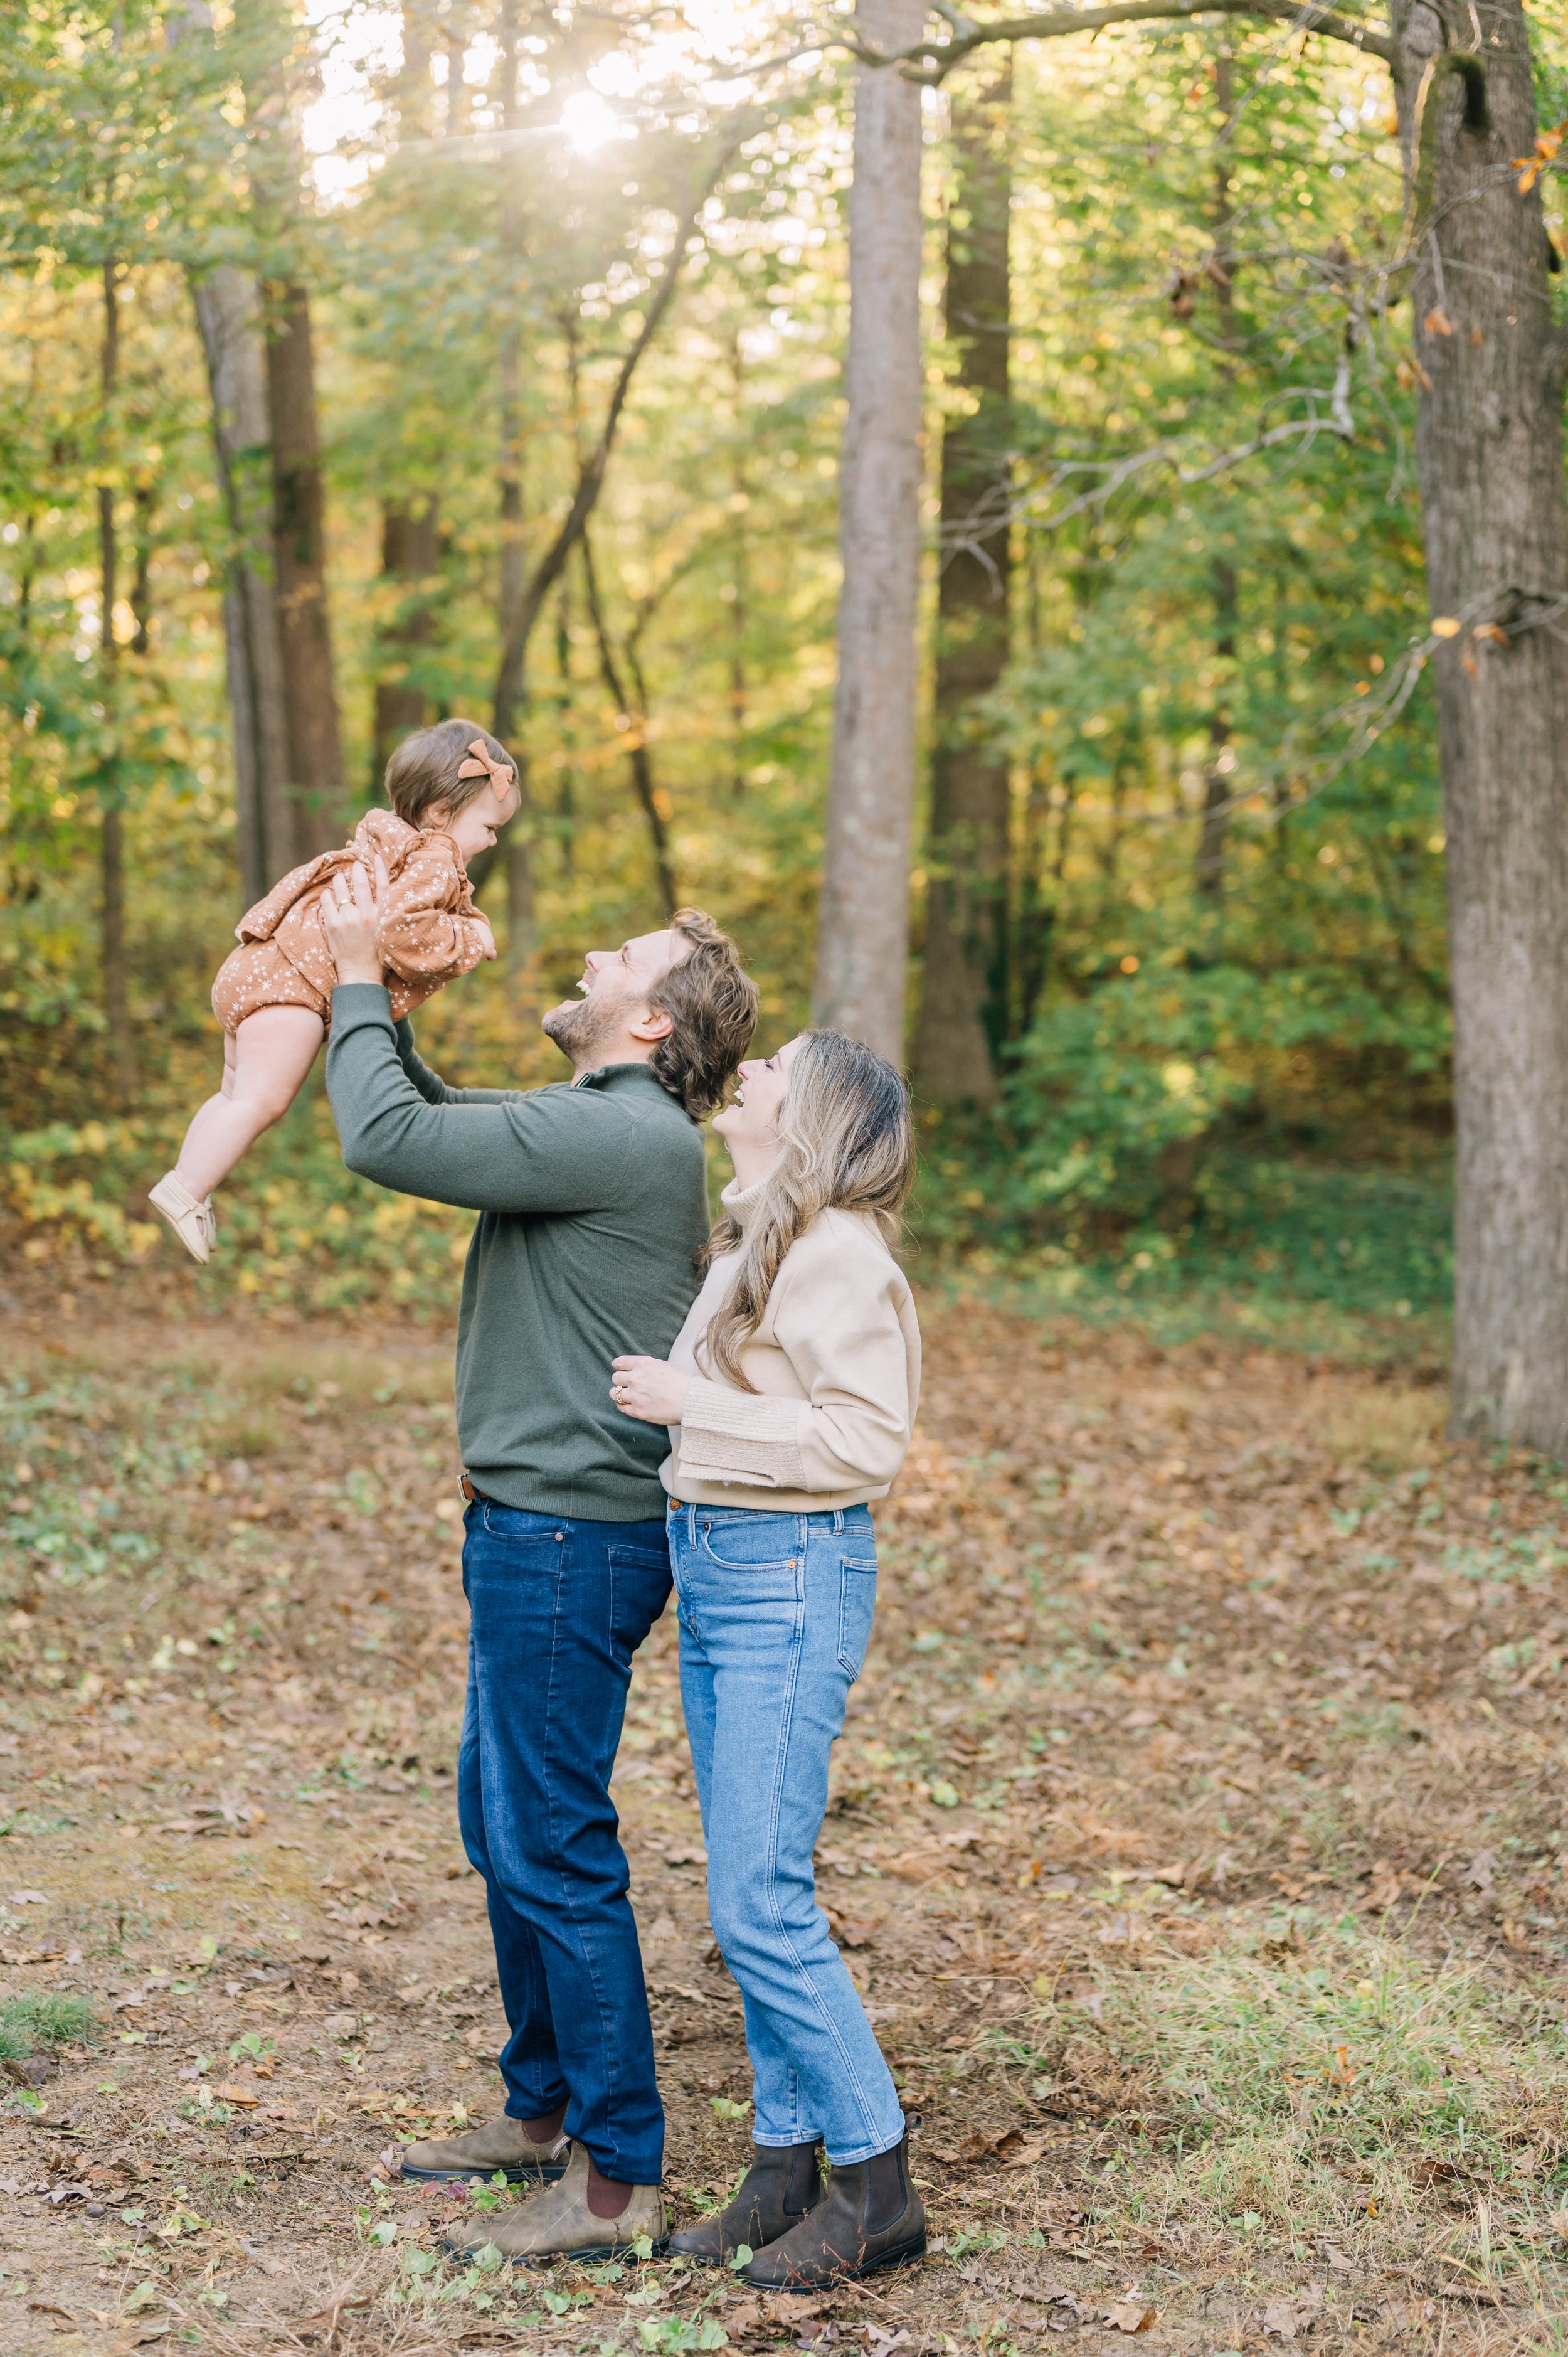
{"points": [[711, 1001]]}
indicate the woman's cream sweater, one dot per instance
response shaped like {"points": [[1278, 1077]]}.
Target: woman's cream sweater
{"points": [[836, 1366]]}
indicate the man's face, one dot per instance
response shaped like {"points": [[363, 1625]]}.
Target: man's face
{"points": [[613, 993]]}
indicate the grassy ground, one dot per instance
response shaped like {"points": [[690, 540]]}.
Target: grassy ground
{"points": [[1198, 1839]]}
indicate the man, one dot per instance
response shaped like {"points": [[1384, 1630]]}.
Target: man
{"points": [[592, 1202]]}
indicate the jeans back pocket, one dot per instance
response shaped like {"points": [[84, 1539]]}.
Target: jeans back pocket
{"points": [[857, 1608]]}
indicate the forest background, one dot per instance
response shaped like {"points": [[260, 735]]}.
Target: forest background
{"points": [[1163, 358]]}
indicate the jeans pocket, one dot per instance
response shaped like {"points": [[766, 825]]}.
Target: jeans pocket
{"points": [[639, 1586], [857, 1608], [761, 1553]]}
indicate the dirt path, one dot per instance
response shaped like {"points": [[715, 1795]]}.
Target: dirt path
{"points": [[1197, 1840]]}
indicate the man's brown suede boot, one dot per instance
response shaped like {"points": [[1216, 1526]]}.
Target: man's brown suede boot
{"points": [[503, 2144], [782, 2183], [559, 2224]]}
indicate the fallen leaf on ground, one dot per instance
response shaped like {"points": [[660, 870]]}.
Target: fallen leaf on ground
{"points": [[1132, 2315], [1283, 2319]]}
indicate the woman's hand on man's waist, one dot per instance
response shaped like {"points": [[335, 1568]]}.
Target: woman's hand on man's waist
{"points": [[649, 1389]]}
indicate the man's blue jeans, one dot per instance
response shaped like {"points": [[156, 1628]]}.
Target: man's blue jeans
{"points": [[557, 1609], [776, 1613]]}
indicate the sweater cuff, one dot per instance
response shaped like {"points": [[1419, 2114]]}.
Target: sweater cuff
{"points": [[356, 1005], [729, 1436]]}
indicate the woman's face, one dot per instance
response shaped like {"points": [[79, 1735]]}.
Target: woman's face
{"points": [[752, 1118]]}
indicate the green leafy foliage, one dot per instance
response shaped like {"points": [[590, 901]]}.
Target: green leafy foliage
{"points": [[1224, 996]]}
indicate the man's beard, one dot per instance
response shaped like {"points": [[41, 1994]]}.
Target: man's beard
{"points": [[581, 1025]]}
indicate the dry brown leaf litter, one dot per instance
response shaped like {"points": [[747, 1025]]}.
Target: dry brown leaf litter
{"points": [[1193, 1679]]}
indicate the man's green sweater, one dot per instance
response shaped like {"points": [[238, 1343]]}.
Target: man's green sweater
{"points": [[592, 1202]]}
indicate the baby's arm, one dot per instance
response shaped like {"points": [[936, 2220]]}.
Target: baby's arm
{"points": [[420, 937]]}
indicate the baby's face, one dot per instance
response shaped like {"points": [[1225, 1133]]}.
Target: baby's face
{"points": [[475, 827]]}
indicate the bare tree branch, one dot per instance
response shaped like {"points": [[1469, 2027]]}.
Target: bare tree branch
{"points": [[592, 469], [635, 740], [1000, 507], [932, 61]]}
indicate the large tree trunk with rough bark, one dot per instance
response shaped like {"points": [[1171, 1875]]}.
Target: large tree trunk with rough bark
{"points": [[115, 975], [228, 317], [228, 313], [962, 1013], [411, 554], [316, 786], [864, 924], [299, 565], [411, 537], [521, 921], [1490, 452]]}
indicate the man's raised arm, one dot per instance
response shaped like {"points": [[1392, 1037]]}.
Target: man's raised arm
{"points": [[550, 1150], [431, 1087]]}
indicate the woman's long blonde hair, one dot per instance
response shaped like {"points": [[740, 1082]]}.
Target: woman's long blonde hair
{"points": [[845, 1143]]}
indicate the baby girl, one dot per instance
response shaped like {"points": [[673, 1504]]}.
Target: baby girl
{"points": [[451, 789]]}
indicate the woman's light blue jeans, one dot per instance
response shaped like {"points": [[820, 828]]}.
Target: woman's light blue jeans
{"points": [[776, 1613]]}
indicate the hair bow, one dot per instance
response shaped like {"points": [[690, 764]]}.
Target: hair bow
{"points": [[482, 763]]}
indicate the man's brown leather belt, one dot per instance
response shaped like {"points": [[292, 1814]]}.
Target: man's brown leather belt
{"points": [[475, 1497]]}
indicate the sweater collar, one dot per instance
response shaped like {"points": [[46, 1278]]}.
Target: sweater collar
{"points": [[740, 1202], [622, 1076]]}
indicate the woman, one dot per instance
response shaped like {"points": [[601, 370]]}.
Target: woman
{"points": [[791, 1393]]}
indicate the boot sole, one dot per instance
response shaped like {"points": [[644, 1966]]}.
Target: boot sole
{"points": [[546, 2173], [591, 2251], [902, 2254]]}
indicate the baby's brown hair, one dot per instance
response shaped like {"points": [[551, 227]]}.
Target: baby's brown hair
{"points": [[424, 768]]}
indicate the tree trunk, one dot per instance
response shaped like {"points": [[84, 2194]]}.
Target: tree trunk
{"points": [[963, 1010], [228, 314], [739, 580], [413, 89], [111, 835], [299, 569], [299, 564], [145, 498], [863, 940], [1489, 454], [228, 317], [1210, 875], [456, 115], [411, 554], [520, 928]]}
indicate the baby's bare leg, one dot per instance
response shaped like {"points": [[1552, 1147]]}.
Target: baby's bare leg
{"points": [[270, 1054]]}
